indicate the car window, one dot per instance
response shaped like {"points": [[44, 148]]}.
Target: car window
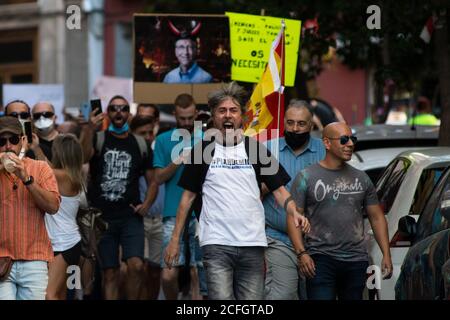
{"points": [[374, 174], [431, 220], [427, 181], [390, 182]]}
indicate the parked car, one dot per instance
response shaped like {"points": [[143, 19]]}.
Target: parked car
{"points": [[374, 161], [402, 189], [390, 136], [425, 273]]}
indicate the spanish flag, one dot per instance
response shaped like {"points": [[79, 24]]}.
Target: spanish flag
{"points": [[265, 109]]}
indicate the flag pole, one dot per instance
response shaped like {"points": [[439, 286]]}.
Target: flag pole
{"points": [[280, 89]]}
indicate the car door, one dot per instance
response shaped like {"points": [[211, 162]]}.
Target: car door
{"points": [[402, 190], [422, 272]]}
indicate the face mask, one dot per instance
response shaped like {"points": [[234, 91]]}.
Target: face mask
{"points": [[116, 130], [2, 114], [44, 125], [296, 140]]}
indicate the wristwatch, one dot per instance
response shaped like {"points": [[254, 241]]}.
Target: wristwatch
{"points": [[29, 181]]}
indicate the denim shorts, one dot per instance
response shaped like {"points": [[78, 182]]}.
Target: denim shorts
{"points": [[127, 233], [168, 226]]}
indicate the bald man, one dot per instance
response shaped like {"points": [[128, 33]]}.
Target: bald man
{"points": [[334, 196]]}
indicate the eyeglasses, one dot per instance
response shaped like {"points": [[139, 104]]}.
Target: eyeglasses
{"points": [[13, 140], [21, 115], [46, 114], [119, 108], [344, 139]]}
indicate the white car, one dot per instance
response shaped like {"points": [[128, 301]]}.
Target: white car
{"points": [[374, 161], [403, 189]]}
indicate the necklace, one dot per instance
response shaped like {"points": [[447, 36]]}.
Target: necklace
{"points": [[13, 180]]}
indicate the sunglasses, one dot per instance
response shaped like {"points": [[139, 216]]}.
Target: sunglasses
{"points": [[46, 114], [14, 140], [344, 139], [119, 108], [21, 115]]}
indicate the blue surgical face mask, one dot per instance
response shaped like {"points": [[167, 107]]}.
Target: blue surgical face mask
{"points": [[2, 114], [116, 130]]}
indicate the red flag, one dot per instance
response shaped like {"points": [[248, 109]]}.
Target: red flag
{"points": [[428, 29], [266, 105]]}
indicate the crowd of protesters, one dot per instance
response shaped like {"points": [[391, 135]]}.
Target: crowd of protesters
{"points": [[225, 221]]}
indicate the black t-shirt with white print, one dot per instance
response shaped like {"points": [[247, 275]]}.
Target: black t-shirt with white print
{"points": [[114, 175]]}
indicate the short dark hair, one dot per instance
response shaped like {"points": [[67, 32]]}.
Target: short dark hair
{"points": [[139, 121], [423, 104], [149, 105], [297, 103], [16, 101], [117, 96], [184, 101], [231, 91]]}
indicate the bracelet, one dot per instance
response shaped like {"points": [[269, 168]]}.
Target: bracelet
{"points": [[287, 202], [301, 253]]}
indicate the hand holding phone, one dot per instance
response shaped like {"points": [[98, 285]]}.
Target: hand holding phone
{"points": [[96, 105], [28, 131]]}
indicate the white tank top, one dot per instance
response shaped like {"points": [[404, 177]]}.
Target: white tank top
{"points": [[62, 227]]}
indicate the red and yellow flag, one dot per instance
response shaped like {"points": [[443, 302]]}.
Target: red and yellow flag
{"points": [[266, 106]]}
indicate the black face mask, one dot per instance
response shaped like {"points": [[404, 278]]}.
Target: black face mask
{"points": [[296, 140]]}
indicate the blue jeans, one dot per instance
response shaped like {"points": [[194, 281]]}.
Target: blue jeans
{"points": [[344, 279], [27, 281], [234, 272]]}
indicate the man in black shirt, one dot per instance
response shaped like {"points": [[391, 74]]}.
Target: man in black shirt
{"points": [[19, 109], [44, 118], [117, 162]]}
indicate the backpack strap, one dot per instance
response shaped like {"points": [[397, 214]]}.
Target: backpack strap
{"points": [[100, 141], [197, 204], [256, 166], [142, 145]]}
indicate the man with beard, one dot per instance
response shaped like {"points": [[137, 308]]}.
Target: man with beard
{"points": [[28, 190], [170, 155], [19, 109], [117, 162], [335, 196], [44, 121], [297, 150], [232, 228]]}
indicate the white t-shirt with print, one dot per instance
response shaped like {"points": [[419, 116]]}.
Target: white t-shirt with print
{"points": [[232, 212]]}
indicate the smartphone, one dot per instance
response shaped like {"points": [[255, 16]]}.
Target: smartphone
{"points": [[28, 131], [85, 110], [96, 105]]}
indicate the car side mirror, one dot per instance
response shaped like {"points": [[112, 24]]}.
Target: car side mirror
{"points": [[407, 226]]}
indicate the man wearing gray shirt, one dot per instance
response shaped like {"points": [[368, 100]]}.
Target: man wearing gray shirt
{"points": [[334, 195]]}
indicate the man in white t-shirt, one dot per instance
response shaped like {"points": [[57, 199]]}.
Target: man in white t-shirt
{"points": [[232, 223]]}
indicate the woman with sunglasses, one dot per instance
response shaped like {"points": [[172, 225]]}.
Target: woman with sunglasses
{"points": [[62, 227]]}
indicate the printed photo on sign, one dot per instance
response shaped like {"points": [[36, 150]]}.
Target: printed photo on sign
{"points": [[182, 49]]}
